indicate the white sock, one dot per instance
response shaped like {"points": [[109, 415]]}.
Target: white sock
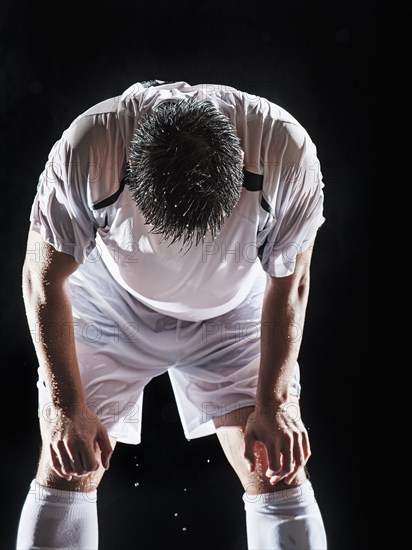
{"points": [[55, 519], [285, 520]]}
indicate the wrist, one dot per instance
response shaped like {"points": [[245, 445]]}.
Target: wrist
{"points": [[276, 397], [68, 405], [66, 392], [66, 411]]}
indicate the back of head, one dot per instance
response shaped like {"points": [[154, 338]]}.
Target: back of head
{"points": [[185, 169]]}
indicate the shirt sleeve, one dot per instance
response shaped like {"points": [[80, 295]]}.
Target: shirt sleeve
{"points": [[293, 197], [60, 210]]}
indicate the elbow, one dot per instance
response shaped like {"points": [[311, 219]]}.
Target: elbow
{"points": [[27, 280], [32, 282], [302, 287]]}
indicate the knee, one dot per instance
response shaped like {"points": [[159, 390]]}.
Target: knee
{"points": [[84, 484], [47, 477], [257, 483]]}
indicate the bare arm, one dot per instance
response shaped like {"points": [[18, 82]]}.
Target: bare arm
{"points": [[75, 432], [48, 310], [274, 422]]}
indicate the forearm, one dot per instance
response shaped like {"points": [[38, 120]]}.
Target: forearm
{"points": [[49, 315], [283, 318]]}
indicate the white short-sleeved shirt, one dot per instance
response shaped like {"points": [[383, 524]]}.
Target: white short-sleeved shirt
{"points": [[83, 206]]}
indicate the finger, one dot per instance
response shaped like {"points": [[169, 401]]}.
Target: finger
{"points": [[75, 459], [88, 459], [82, 457], [289, 479], [249, 454], [287, 454], [274, 479], [298, 458], [273, 459], [105, 448], [298, 450], [306, 445], [56, 466], [286, 469], [65, 459], [77, 462]]}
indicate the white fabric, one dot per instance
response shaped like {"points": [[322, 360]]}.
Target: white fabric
{"points": [[86, 165], [121, 345], [285, 520], [52, 519]]}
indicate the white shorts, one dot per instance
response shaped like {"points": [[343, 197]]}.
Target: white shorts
{"points": [[122, 344]]}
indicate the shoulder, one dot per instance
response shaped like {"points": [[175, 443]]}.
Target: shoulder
{"points": [[93, 129], [89, 157]]}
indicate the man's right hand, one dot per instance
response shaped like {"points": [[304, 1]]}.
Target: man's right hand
{"points": [[78, 442]]}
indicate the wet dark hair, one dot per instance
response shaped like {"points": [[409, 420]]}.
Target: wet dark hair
{"points": [[185, 171]]}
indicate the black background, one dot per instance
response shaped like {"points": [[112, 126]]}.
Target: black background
{"points": [[311, 57]]}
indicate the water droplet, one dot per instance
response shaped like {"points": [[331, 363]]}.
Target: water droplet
{"points": [[137, 465], [184, 529], [208, 460], [185, 489], [176, 514]]}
